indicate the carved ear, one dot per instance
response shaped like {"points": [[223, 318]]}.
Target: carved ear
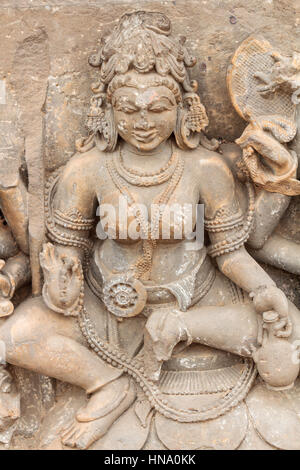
{"points": [[100, 122], [191, 120], [106, 137]]}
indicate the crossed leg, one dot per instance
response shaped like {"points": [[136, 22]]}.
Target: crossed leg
{"points": [[48, 343], [43, 341]]}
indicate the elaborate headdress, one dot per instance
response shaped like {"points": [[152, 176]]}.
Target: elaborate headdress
{"points": [[142, 41]]}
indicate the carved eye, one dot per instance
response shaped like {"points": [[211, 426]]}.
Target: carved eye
{"points": [[125, 108], [161, 105], [159, 108]]}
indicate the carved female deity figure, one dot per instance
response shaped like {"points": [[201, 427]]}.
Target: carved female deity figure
{"points": [[116, 314]]}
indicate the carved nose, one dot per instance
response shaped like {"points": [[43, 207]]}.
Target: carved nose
{"points": [[143, 123]]}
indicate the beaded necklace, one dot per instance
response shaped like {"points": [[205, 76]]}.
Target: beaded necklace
{"points": [[143, 266], [142, 178]]}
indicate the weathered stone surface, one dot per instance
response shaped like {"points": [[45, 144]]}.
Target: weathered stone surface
{"points": [[214, 29], [45, 88]]}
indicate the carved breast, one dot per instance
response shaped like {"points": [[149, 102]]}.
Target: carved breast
{"points": [[171, 222]]}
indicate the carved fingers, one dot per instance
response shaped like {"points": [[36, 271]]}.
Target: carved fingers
{"points": [[54, 261], [266, 79], [49, 258], [267, 297], [72, 277], [271, 298], [283, 328]]}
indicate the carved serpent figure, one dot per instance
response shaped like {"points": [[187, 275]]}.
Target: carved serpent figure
{"points": [[121, 314]]}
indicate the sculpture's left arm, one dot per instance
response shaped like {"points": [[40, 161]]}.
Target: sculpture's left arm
{"points": [[228, 227], [228, 230]]}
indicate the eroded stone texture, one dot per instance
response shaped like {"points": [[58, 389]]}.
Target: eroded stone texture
{"points": [[111, 321], [214, 30]]}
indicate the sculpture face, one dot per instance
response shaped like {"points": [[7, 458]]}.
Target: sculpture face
{"points": [[145, 116]]}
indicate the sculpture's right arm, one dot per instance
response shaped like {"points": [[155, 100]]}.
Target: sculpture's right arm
{"points": [[74, 207], [70, 218]]}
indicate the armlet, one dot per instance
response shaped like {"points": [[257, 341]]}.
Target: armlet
{"points": [[236, 228], [225, 219], [58, 223], [72, 220]]}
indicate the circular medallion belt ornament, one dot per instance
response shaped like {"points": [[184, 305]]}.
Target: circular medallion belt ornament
{"points": [[124, 296]]}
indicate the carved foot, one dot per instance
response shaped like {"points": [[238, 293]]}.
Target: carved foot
{"points": [[102, 410]]}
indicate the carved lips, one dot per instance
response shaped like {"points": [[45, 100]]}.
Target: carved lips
{"points": [[145, 136]]}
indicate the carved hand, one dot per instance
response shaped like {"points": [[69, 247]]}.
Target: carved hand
{"points": [[163, 332], [63, 279], [271, 298]]}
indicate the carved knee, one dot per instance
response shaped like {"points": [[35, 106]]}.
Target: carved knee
{"points": [[23, 326]]}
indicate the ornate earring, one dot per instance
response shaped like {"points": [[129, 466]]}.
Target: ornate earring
{"points": [[100, 122], [106, 137], [191, 120]]}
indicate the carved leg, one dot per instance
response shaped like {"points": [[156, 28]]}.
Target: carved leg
{"points": [[48, 343], [232, 328], [269, 208]]}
